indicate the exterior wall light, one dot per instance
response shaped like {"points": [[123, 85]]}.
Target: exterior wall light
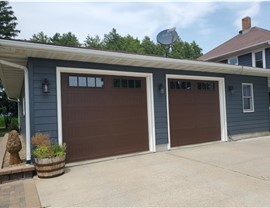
{"points": [[45, 86], [231, 89], [161, 89]]}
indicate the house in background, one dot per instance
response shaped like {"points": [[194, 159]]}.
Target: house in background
{"points": [[105, 103], [251, 47]]}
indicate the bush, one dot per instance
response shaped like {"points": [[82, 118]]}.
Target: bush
{"points": [[14, 125], [2, 122]]}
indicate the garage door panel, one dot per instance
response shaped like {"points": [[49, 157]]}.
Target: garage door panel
{"points": [[194, 112], [108, 120]]}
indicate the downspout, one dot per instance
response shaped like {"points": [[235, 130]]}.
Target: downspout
{"points": [[27, 106], [18, 103]]}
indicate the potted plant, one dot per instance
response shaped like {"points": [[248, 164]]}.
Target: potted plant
{"points": [[49, 157]]}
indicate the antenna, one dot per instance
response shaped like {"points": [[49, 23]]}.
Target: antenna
{"points": [[167, 37]]}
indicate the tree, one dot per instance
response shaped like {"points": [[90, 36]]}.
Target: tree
{"points": [[113, 41], [8, 21], [41, 38], [67, 39], [93, 42], [7, 107]]}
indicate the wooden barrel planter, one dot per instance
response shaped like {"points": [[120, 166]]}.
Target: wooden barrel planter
{"points": [[50, 167]]}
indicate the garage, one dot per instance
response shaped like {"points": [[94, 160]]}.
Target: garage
{"points": [[194, 111], [103, 115]]}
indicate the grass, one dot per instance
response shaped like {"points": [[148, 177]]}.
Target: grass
{"points": [[3, 129]]}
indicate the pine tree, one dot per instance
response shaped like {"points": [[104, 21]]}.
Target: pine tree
{"points": [[8, 21]]}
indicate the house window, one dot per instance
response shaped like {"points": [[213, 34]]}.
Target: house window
{"points": [[233, 60], [247, 97], [258, 59]]}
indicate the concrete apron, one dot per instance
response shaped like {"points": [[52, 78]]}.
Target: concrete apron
{"points": [[217, 174]]}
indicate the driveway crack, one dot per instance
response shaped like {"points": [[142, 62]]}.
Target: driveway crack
{"points": [[221, 167]]}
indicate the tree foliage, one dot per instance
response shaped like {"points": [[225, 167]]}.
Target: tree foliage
{"points": [[8, 108], [66, 39], [8, 21], [113, 41]]}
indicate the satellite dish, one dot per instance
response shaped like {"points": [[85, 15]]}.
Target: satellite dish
{"points": [[167, 37]]}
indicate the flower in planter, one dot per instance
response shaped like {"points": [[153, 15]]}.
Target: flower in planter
{"points": [[45, 148], [49, 157]]}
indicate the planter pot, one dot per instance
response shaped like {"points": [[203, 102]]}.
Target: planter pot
{"points": [[50, 167]]}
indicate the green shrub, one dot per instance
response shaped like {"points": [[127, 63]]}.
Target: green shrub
{"points": [[2, 122], [14, 124]]}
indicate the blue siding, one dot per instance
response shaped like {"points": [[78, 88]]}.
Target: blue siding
{"points": [[267, 57], [239, 122], [245, 60], [44, 106]]}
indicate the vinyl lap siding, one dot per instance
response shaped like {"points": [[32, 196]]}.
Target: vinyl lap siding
{"points": [[43, 105], [239, 122], [245, 60]]}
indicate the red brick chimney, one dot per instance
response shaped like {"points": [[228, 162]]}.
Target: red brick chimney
{"points": [[246, 23]]}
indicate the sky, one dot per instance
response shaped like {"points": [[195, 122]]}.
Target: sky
{"points": [[208, 23]]}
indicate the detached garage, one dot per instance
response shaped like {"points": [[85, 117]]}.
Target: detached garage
{"points": [[104, 104]]}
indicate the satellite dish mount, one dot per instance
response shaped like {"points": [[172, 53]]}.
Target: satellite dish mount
{"points": [[167, 37]]}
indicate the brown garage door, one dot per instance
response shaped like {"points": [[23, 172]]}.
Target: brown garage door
{"points": [[103, 115], [194, 111]]}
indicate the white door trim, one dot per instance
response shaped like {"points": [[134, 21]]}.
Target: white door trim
{"points": [[222, 102], [149, 93]]}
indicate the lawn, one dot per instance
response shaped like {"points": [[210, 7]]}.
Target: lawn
{"points": [[3, 129]]}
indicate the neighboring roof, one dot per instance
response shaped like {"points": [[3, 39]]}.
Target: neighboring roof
{"points": [[241, 43], [14, 56]]}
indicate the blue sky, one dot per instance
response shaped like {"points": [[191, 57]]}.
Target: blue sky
{"points": [[209, 23]]}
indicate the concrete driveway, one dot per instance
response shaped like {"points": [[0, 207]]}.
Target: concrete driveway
{"points": [[217, 175]]}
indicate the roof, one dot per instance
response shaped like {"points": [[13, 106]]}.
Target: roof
{"points": [[14, 56], [246, 41]]}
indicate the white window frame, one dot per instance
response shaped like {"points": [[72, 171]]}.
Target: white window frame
{"points": [[263, 58], [235, 57], [251, 97]]}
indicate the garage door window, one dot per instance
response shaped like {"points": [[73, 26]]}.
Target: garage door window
{"points": [[83, 81], [247, 97], [205, 86], [126, 83], [183, 85]]}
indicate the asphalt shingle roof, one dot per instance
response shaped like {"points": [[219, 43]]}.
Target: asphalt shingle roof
{"points": [[244, 40]]}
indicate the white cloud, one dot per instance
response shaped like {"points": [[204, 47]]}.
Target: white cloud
{"points": [[136, 19], [251, 9]]}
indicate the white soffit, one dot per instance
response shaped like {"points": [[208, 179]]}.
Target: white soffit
{"points": [[18, 52]]}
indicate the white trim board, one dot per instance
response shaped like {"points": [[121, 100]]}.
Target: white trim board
{"points": [[222, 102], [149, 93]]}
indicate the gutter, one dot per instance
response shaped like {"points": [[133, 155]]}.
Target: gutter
{"points": [[27, 106], [133, 59]]}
